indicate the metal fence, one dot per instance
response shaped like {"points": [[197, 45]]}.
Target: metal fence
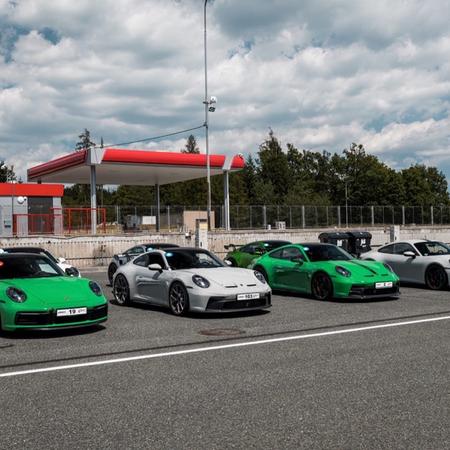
{"points": [[295, 216]]}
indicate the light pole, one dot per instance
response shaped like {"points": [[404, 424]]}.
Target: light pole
{"points": [[346, 204], [209, 107]]}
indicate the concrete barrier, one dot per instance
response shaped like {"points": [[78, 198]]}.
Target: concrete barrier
{"points": [[88, 251]]}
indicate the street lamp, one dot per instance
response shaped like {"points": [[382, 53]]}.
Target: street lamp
{"points": [[210, 106]]}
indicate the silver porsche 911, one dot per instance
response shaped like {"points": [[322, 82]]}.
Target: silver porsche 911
{"points": [[416, 261], [190, 279]]}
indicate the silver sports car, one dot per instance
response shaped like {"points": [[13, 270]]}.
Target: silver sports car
{"points": [[190, 279], [416, 261]]}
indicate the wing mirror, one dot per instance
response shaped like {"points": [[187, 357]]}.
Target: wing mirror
{"points": [[297, 260], [62, 260], [409, 254], [155, 266], [228, 262], [71, 271]]}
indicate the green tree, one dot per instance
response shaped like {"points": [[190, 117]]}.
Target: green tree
{"points": [[191, 145], [85, 141], [6, 173]]}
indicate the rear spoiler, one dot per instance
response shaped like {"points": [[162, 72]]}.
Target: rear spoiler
{"points": [[230, 247]]}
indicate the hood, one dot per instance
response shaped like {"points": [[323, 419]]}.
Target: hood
{"points": [[227, 276], [55, 292], [362, 268]]}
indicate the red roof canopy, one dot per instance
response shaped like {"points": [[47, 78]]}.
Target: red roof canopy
{"points": [[133, 167], [31, 190]]}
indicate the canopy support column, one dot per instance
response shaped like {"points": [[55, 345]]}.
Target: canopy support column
{"points": [[226, 198], [93, 201], [158, 208]]}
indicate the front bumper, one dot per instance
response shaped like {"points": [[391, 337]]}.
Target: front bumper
{"points": [[364, 292], [231, 304], [49, 320]]}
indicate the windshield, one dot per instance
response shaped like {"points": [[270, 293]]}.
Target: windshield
{"points": [[28, 267], [432, 248], [324, 252], [192, 259]]}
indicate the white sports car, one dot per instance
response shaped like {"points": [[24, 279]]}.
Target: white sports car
{"points": [[416, 261], [190, 279]]}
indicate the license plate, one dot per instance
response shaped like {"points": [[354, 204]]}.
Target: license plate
{"points": [[247, 296], [383, 285], [71, 312]]}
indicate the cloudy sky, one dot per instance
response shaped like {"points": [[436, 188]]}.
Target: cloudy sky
{"points": [[321, 74]]}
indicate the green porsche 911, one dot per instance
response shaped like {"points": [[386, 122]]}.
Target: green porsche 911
{"points": [[326, 271], [243, 256], [36, 293]]}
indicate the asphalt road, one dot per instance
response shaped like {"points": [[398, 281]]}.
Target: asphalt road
{"points": [[307, 374]]}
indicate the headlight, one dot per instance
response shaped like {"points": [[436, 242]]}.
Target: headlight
{"points": [[16, 294], [343, 271], [388, 267], [260, 276], [200, 281], [95, 288]]}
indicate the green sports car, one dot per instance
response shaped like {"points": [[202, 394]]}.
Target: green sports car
{"points": [[245, 255], [326, 271], [36, 293]]}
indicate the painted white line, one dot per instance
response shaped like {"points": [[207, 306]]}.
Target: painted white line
{"points": [[221, 347]]}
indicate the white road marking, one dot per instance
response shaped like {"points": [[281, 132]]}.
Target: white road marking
{"points": [[220, 347]]}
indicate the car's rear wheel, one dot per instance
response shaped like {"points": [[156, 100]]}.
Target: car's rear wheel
{"points": [[262, 271], [321, 286], [121, 290], [178, 299], [436, 278], [111, 271]]}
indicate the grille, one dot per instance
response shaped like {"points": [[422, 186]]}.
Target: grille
{"points": [[366, 291], [228, 303], [50, 318]]}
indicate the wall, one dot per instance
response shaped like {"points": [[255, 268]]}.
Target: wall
{"points": [[97, 251]]}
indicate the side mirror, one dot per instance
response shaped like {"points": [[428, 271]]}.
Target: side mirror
{"points": [[297, 260], [155, 266], [62, 260], [72, 272], [409, 254], [228, 262]]}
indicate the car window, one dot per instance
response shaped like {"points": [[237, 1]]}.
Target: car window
{"points": [[403, 247], [156, 258], [141, 261], [291, 252], [433, 248], [250, 248], [276, 254], [272, 245], [326, 252], [28, 267], [135, 250], [191, 259], [387, 249]]}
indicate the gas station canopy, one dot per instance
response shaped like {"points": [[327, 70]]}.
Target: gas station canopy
{"points": [[131, 167], [134, 167]]}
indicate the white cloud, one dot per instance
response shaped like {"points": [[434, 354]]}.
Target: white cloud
{"points": [[322, 74]]}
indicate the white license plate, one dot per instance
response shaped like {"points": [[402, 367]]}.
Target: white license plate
{"points": [[383, 285], [247, 296], [71, 312]]}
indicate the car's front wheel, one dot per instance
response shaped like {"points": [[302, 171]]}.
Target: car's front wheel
{"points": [[178, 299], [111, 271], [121, 290], [436, 278], [321, 286]]}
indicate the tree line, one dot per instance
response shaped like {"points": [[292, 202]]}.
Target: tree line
{"points": [[289, 176]]}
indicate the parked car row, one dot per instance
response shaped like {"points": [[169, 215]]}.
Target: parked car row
{"points": [[38, 290]]}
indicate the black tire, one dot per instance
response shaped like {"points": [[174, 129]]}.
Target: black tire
{"points": [[111, 271], [262, 272], [436, 278], [321, 286], [178, 299], [121, 290]]}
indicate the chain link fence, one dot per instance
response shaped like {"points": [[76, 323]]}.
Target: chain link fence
{"points": [[172, 218]]}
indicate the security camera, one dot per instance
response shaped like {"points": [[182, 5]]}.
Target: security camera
{"points": [[212, 100], [211, 109], [21, 200]]}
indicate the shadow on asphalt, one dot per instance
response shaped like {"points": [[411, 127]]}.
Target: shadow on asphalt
{"points": [[333, 300], [51, 333], [192, 315]]}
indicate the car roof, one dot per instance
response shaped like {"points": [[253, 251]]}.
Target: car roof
{"points": [[411, 241], [24, 249], [19, 255]]}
